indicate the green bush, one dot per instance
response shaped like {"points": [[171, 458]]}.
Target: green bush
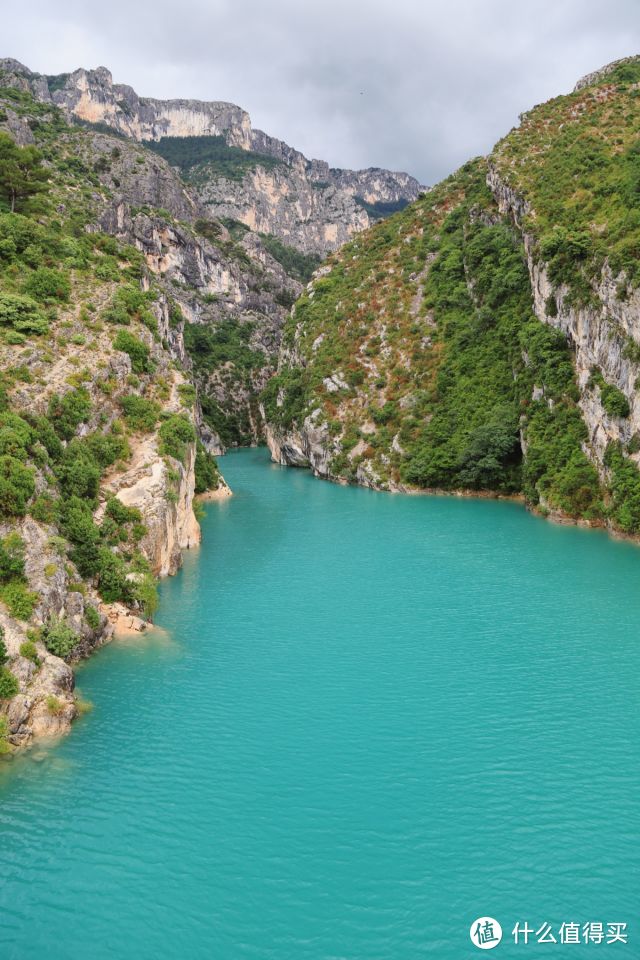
{"points": [[206, 470], [130, 303], [22, 176], [614, 401], [9, 685], [59, 638], [138, 352], [112, 577], [66, 413], [20, 601], [5, 746], [22, 313], [140, 414], [11, 557], [77, 472], [16, 435], [29, 650], [122, 514], [46, 285], [92, 617], [176, 432], [17, 486]]}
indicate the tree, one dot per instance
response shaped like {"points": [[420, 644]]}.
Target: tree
{"points": [[8, 683], [22, 175]]}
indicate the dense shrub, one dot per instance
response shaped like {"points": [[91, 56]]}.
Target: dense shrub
{"points": [[66, 413], [298, 265], [48, 285], [11, 557], [112, 576], [20, 601], [176, 432], [29, 650], [136, 349], [22, 313], [22, 176], [130, 303], [191, 154], [17, 486], [92, 617], [9, 686], [206, 470], [140, 414], [59, 638], [77, 472], [228, 342]]}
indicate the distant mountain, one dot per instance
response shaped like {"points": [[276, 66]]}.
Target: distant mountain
{"points": [[238, 172]]}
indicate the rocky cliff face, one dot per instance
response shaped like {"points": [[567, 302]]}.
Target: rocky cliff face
{"points": [[99, 459], [304, 202], [599, 333]]}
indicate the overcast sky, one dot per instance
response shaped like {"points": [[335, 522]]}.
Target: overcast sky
{"points": [[404, 84]]}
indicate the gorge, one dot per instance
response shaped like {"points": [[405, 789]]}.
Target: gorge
{"points": [[482, 338]]}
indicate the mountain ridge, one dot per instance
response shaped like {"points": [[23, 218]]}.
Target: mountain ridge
{"points": [[304, 202]]}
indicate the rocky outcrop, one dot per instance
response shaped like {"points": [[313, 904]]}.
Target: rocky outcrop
{"points": [[163, 492], [600, 74]]}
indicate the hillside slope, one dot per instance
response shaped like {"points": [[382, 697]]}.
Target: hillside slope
{"points": [[488, 337]]}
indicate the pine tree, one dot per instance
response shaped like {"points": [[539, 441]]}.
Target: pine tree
{"points": [[22, 175]]}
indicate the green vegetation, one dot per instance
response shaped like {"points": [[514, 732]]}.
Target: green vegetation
{"points": [[55, 706], [5, 746], [29, 650], [577, 161], [14, 592], [137, 350], [8, 682], [381, 209], [176, 433], [296, 264], [225, 351], [60, 279], [140, 413], [200, 157], [206, 469], [613, 400], [445, 367], [92, 617], [59, 638], [228, 342], [22, 176], [625, 489], [130, 303]]}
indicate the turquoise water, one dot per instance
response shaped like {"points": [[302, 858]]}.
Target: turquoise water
{"points": [[370, 720]]}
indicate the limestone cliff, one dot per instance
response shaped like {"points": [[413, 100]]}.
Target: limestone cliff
{"points": [[100, 455], [304, 202]]}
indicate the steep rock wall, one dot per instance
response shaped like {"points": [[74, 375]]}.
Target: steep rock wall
{"points": [[600, 335]]}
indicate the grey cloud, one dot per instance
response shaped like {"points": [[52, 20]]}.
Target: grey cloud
{"points": [[416, 86]]}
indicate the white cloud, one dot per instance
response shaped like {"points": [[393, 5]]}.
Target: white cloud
{"points": [[419, 86]]}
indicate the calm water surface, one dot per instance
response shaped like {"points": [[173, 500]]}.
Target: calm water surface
{"points": [[367, 720]]}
